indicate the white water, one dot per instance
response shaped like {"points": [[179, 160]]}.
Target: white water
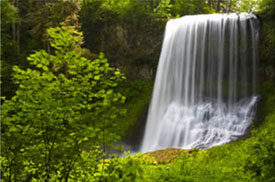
{"points": [[204, 92]]}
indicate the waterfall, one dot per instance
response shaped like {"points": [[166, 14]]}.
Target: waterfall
{"points": [[204, 91]]}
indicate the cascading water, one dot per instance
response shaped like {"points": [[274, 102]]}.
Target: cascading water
{"points": [[204, 92]]}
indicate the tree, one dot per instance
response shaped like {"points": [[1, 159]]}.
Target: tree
{"points": [[23, 29], [8, 17], [62, 106]]}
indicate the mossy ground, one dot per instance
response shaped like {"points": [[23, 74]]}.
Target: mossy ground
{"points": [[167, 155]]}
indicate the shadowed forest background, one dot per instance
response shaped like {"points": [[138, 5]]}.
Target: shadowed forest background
{"points": [[77, 76]]}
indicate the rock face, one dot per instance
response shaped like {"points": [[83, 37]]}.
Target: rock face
{"points": [[133, 49], [136, 52], [266, 71]]}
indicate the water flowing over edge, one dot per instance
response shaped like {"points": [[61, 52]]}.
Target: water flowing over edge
{"points": [[204, 92]]}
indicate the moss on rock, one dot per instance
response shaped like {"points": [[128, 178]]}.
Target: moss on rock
{"points": [[166, 155]]}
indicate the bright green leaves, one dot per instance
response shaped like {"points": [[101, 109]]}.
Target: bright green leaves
{"points": [[97, 77], [128, 169], [163, 9], [49, 76], [117, 73], [61, 107], [40, 59], [61, 40]]}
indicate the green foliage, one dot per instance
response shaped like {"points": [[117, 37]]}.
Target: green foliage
{"points": [[267, 9], [23, 29], [50, 14], [247, 5], [62, 106], [109, 170], [86, 167], [120, 170], [163, 9], [181, 8], [8, 12]]}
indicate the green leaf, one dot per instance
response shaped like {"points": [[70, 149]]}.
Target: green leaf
{"points": [[117, 72], [97, 77]]}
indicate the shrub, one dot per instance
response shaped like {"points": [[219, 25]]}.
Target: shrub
{"points": [[62, 106]]}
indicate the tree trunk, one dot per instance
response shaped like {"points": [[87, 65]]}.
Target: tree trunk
{"points": [[16, 29], [151, 5], [13, 25], [18, 37]]}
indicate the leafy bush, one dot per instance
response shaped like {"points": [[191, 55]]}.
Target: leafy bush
{"points": [[62, 106], [126, 169], [120, 170]]}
